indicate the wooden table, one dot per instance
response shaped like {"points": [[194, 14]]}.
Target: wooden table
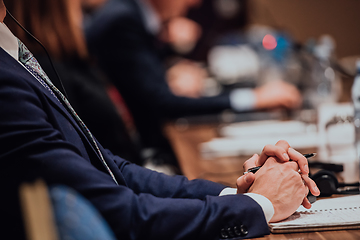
{"points": [[185, 140], [326, 235]]}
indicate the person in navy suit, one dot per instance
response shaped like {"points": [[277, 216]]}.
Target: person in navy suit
{"points": [[123, 36], [40, 137]]}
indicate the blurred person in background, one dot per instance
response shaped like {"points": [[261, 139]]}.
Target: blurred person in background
{"points": [[123, 35], [178, 36], [87, 88]]}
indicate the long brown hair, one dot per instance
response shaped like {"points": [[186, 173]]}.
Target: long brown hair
{"points": [[56, 23]]}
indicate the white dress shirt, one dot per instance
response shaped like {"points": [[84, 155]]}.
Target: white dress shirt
{"points": [[151, 19], [8, 41], [264, 203]]}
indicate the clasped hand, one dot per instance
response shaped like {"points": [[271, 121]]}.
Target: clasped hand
{"points": [[285, 183]]}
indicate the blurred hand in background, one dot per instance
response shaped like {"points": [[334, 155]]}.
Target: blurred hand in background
{"points": [[186, 79], [277, 94]]}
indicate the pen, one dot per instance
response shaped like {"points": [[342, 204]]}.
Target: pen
{"points": [[254, 169]]}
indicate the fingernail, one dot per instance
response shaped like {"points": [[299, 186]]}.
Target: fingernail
{"points": [[286, 156], [316, 189], [306, 169]]}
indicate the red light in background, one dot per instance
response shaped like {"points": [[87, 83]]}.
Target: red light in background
{"points": [[269, 42]]}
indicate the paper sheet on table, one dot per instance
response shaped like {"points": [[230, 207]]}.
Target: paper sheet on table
{"points": [[222, 147], [325, 214], [263, 128]]}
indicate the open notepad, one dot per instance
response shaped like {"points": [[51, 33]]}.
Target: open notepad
{"points": [[325, 214]]}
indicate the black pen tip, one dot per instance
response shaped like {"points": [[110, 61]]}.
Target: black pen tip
{"points": [[308, 155]]}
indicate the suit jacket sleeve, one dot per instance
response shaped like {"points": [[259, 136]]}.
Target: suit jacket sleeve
{"points": [[38, 140], [126, 52], [162, 185]]}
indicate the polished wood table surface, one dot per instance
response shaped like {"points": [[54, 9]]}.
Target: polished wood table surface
{"points": [[185, 140]]}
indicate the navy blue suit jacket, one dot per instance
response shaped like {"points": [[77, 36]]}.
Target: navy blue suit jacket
{"points": [[128, 54], [40, 139]]}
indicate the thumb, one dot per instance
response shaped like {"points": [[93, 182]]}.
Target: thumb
{"points": [[244, 182]]}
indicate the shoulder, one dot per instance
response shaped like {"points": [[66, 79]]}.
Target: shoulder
{"points": [[18, 87], [12, 72]]}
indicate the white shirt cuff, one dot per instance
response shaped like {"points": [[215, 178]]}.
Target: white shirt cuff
{"points": [[264, 203], [242, 99], [228, 191]]}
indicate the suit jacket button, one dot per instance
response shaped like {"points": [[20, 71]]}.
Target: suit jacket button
{"points": [[230, 232], [224, 233], [237, 231], [243, 230]]}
